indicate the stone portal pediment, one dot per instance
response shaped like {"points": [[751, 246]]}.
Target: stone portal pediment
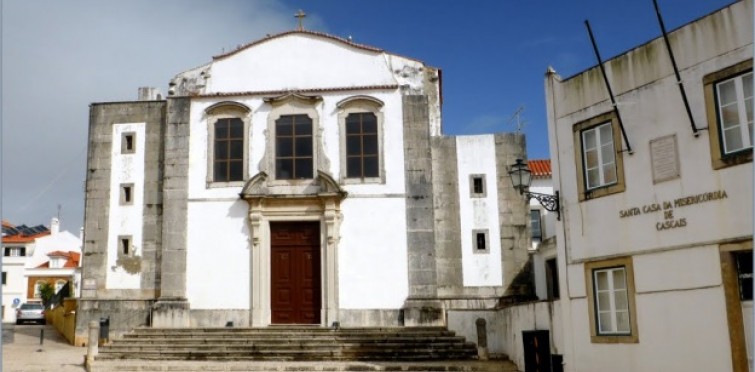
{"points": [[261, 186]]}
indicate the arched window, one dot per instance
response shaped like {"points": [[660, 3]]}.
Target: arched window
{"points": [[228, 142], [361, 122]]}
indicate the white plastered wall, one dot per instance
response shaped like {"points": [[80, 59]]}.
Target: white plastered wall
{"points": [[476, 155], [125, 219], [372, 254], [217, 255]]}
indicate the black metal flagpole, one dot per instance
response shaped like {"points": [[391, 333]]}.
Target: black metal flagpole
{"points": [[608, 86], [676, 70]]}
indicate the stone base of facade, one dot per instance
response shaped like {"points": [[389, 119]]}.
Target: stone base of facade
{"points": [[172, 313], [122, 316], [371, 317], [424, 313]]}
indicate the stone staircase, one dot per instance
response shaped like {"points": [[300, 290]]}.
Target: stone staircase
{"points": [[290, 344]]}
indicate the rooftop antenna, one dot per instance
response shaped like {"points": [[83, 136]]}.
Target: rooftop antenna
{"points": [[520, 124], [59, 207]]}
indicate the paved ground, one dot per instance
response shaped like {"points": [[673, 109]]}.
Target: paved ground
{"points": [[55, 354]]}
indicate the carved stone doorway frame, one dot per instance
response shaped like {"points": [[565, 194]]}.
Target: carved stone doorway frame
{"points": [[318, 201]]}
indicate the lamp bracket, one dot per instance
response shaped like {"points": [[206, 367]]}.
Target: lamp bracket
{"points": [[549, 202]]}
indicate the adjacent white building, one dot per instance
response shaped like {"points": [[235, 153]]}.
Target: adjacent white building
{"points": [[654, 246]]}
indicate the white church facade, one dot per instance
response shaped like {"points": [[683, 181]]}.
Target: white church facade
{"points": [[300, 179]]}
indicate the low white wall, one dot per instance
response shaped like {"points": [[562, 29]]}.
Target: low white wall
{"points": [[505, 326]]}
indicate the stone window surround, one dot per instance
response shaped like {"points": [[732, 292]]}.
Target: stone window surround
{"points": [[619, 185], [293, 104], [484, 192], [120, 245], [590, 267], [226, 110], [124, 142], [353, 105], [474, 241], [122, 198], [718, 159]]}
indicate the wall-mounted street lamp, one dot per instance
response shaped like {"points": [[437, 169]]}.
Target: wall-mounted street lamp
{"points": [[521, 178]]}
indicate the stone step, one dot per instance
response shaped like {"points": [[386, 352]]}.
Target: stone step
{"points": [[290, 340], [282, 366], [304, 343]]}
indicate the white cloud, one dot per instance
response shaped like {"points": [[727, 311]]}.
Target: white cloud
{"points": [[58, 57]]}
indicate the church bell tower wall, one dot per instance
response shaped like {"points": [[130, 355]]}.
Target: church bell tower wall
{"points": [[110, 159]]}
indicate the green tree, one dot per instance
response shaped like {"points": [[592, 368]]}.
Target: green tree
{"points": [[46, 291]]}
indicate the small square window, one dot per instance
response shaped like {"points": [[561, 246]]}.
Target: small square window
{"points": [[127, 194], [125, 247], [480, 241], [477, 185], [128, 143]]}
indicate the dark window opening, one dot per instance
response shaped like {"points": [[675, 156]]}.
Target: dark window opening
{"points": [[537, 230], [744, 274], [477, 185], [551, 279], [362, 153], [229, 150], [294, 148], [481, 241], [5, 277], [126, 246], [126, 194], [128, 143]]}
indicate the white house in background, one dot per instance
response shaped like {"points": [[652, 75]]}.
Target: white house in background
{"points": [[56, 260], [543, 232], [18, 244], [300, 179], [654, 245]]}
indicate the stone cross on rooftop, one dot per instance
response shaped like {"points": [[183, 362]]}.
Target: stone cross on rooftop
{"points": [[300, 15]]}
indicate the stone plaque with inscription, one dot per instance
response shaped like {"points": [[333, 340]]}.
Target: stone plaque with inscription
{"points": [[664, 158]]}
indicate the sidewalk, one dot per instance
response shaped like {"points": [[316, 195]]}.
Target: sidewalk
{"points": [[55, 354]]}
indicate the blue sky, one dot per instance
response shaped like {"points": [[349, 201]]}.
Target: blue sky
{"points": [[58, 57]]}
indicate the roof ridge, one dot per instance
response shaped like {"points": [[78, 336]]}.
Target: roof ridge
{"points": [[286, 33]]}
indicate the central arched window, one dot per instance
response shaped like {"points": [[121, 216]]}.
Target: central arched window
{"points": [[294, 154]]}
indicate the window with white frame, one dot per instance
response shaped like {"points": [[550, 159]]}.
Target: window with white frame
{"points": [[734, 106], [611, 301], [15, 251], [57, 262], [599, 156]]}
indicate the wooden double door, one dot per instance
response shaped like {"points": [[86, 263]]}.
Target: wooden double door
{"points": [[295, 272]]}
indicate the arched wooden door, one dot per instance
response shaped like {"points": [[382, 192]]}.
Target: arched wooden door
{"points": [[295, 288]]}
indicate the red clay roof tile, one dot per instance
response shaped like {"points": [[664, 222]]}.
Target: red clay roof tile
{"points": [[540, 168]]}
